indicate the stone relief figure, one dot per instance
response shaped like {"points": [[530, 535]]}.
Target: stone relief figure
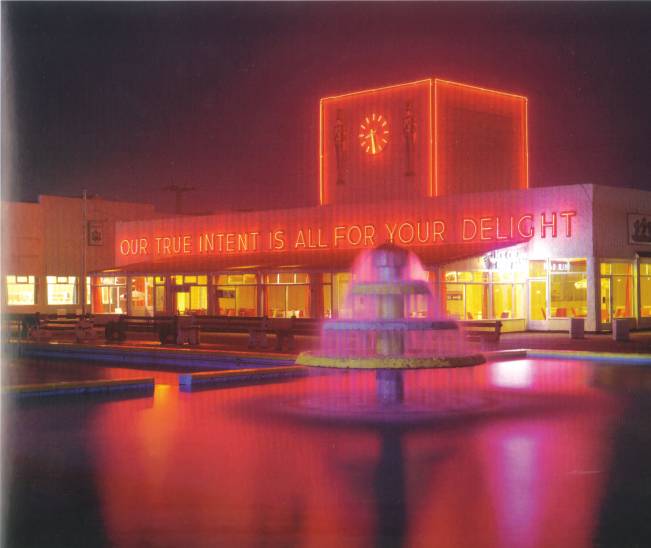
{"points": [[409, 134], [340, 141]]}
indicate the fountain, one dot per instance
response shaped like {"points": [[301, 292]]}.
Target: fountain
{"points": [[390, 321]]}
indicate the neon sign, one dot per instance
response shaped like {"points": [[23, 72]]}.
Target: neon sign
{"points": [[313, 236]]}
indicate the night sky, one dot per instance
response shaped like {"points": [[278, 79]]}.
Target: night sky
{"points": [[125, 98]]}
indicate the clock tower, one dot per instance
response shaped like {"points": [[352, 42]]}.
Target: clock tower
{"points": [[420, 139]]}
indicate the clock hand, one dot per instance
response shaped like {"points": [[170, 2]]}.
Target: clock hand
{"points": [[373, 141]]}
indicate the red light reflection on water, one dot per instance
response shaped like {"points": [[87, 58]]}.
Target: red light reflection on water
{"points": [[213, 467]]}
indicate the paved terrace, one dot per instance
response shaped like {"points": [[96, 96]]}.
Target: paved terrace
{"points": [[228, 343]]}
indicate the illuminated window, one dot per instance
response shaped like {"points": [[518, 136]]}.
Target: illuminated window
{"points": [[61, 290], [142, 296], [287, 295], [110, 295], [482, 294], [340, 285], [645, 290], [21, 290], [327, 295], [88, 290], [159, 295], [568, 283], [192, 295], [616, 286], [237, 294]]}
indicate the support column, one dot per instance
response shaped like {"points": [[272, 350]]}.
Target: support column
{"points": [[316, 295]]}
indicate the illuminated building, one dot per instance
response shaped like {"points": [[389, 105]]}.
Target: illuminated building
{"points": [[436, 166]]}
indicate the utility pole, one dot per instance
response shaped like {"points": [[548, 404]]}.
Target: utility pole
{"points": [[84, 245], [179, 190]]}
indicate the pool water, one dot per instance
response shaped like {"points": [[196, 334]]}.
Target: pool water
{"points": [[506, 454]]}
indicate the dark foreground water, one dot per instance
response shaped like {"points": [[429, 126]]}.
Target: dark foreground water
{"points": [[509, 454]]}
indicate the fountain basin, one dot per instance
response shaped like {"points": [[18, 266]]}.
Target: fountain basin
{"points": [[314, 359]]}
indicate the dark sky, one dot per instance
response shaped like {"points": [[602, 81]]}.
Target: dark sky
{"points": [[125, 98]]}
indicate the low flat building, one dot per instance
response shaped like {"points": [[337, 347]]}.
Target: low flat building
{"points": [[438, 167]]}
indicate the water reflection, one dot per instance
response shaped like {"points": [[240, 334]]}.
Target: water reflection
{"points": [[545, 455]]}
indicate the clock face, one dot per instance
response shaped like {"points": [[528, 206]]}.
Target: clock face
{"points": [[374, 134]]}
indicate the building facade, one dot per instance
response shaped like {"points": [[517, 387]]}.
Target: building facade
{"points": [[437, 167]]}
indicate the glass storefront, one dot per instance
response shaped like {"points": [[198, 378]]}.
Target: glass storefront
{"points": [[21, 290], [287, 295], [236, 294], [538, 290]]}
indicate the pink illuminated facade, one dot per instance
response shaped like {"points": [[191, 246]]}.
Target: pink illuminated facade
{"points": [[435, 166]]}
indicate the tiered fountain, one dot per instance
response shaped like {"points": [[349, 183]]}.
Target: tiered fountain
{"points": [[390, 320]]}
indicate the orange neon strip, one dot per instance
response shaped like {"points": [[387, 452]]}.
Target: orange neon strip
{"points": [[377, 89], [526, 142], [478, 88], [434, 173], [321, 152]]}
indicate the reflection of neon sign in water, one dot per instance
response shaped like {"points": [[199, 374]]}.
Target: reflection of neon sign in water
{"points": [[512, 374]]}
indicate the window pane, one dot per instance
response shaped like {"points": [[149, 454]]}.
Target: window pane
{"points": [[226, 301], [298, 301], [198, 299], [246, 299], [622, 269], [503, 301], [503, 276], [160, 299], [276, 301], [538, 300], [20, 294], [454, 300], [578, 265], [190, 279], [340, 290], [645, 296], [51, 279], [286, 278], [518, 304], [160, 280], [622, 294], [327, 300], [537, 269], [605, 269], [61, 294], [568, 295], [476, 301]]}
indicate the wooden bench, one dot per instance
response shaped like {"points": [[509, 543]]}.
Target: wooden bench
{"points": [[482, 330]]}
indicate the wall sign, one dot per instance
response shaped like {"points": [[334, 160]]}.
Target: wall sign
{"points": [[95, 233], [639, 229]]}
